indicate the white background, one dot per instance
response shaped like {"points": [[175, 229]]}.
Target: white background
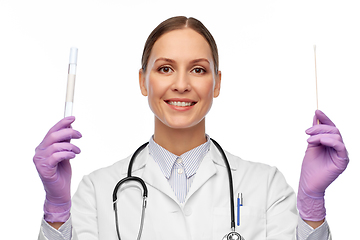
{"points": [[267, 99]]}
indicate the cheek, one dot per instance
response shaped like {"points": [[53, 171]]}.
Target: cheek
{"points": [[205, 88], [152, 87], [156, 88]]}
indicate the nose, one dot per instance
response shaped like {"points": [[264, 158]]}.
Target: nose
{"points": [[181, 83]]}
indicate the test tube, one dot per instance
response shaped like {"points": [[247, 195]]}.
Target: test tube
{"points": [[69, 100]]}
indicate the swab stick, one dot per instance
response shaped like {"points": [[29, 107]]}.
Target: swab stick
{"points": [[317, 98]]}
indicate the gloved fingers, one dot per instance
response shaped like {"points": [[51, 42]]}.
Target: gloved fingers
{"points": [[60, 147], [323, 119], [317, 139], [63, 123], [339, 147], [61, 135], [48, 167], [321, 129], [330, 140], [60, 156]]}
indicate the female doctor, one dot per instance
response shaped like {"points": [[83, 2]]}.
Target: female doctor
{"points": [[185, 173]]}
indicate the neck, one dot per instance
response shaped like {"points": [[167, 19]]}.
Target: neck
{"points": [[179, 141]]}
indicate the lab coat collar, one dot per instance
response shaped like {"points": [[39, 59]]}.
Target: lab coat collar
{"points": [[139, 162], [217, 158], [153, 175], [214, 155]]}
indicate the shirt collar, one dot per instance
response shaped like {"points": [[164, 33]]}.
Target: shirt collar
{"points": [[190, 159]]}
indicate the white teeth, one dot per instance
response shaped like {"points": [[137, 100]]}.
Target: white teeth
{"points": [[180, 104]]}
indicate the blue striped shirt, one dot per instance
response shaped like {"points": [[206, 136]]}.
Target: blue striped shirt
{"points": [[180, 171]]}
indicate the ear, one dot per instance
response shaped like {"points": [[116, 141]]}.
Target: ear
{"points": [[142, 82], [217, 84]]}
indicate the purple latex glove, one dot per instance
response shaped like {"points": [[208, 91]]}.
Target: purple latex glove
{"points": [[52, 163], [325, 159]]}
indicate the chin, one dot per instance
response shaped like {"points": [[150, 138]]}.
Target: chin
{"points": [[185, 124]]}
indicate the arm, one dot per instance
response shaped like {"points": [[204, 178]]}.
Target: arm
{"points": [[63, 233], [315, 224], [305, 232], [281, 212], [56, 225]]}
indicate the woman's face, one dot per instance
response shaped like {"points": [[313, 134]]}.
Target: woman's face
{"points": [[180, 81]]}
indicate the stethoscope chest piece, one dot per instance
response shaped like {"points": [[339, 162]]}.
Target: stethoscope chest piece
{"points": [[233, 236]]}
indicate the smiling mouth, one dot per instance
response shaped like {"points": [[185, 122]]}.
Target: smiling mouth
{"points": [[180, 104]]}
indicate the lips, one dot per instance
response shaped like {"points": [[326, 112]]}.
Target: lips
{"points": [[181, 102]]}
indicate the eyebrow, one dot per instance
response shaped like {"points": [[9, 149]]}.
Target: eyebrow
{"points": [[165, 59], [173, 61], [200, 60]]}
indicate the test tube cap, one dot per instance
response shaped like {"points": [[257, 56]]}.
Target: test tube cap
{"points": [[73, 55]]}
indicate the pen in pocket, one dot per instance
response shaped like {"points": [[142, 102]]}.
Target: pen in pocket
{"points": [[239, 204]]}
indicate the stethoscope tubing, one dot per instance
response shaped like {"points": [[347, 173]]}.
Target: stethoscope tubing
{"points": [[131, 178], [145, 192], [231, 187], [134, 156]]}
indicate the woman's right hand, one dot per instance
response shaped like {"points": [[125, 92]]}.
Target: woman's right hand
{"points": [[52, 163]]}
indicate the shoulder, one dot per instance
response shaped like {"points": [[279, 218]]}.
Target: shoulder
{"points": [[118, 170], [100, 182], [115, 171], [236, 163], [256, 171], [256, 166], [262, 177]]}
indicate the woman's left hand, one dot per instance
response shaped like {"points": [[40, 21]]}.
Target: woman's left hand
{"points": [[325, 159]]}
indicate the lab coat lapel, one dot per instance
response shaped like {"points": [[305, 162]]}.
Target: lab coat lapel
{"points": [[206, 170], [153, 176]]}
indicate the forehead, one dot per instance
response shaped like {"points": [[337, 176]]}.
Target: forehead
{"points": [[182, 44]]}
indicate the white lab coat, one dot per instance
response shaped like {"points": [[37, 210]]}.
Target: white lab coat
{"points": [[269, 210]]}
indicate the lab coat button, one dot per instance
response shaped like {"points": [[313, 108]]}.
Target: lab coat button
{"points": [[187, 211]]}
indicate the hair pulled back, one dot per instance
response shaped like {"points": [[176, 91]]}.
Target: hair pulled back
{"points": [[175, 23]]}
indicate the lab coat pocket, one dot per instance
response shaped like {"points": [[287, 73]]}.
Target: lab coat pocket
{"points": [[167, 222], [252, 222]]}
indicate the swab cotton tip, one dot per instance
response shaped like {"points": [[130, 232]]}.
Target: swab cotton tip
{"points": [[73, 55]]}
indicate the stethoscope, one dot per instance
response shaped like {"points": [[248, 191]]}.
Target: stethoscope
{"points": [[230, 236]]}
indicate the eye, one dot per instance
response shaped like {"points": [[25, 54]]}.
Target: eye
{"points": [[165, 69], [198, 70]]}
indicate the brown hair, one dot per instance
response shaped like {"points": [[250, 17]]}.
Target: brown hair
{"points": [[175, 23]]}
